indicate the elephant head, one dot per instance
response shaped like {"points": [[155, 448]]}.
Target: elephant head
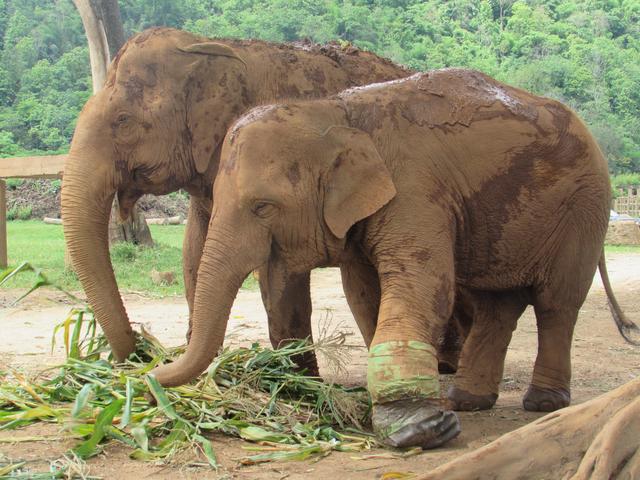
{"points": [[154, 128], [291, 184]]}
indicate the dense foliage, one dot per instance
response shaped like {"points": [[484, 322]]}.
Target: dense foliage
{"points": [[585, 53]]}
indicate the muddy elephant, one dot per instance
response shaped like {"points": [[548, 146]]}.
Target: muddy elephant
{"points": [[442, 185], [157, 126]]}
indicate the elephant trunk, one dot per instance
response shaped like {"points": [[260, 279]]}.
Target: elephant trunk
{"points": [[87, 194], [222, 270]]}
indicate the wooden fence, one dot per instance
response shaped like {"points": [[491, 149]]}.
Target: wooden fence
{"points": [[628, 201], [49, 166]]}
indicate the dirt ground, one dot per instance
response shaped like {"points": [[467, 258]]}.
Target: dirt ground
{"points": [[601, 362]]}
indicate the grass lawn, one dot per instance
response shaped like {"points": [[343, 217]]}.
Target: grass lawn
{"points": [[43, 246]]}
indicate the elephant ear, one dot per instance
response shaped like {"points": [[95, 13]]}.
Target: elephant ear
{"points": [[216, 93], [358, 182]]}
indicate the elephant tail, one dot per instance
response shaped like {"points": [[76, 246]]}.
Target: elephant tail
{"points": [[625, 326]]}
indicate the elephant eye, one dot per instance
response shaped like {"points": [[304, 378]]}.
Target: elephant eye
{"points": [[263, 209], [122, 118]]}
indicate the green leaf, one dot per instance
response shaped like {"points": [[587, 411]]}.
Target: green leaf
{"points": [[105, 418], [288, 455], [139, 434], [126, 414], [75, 336], [81, 400], [257, 434], [207, 448], [7, 469], [161, 397]]}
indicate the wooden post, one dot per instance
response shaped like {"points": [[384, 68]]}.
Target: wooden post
{"points": [[3, 225]]}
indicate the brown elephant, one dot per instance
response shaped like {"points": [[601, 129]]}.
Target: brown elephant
{"points": [[442, 185], [157, 126]]}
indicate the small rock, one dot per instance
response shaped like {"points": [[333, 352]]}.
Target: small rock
{"points": [[163, 278]]}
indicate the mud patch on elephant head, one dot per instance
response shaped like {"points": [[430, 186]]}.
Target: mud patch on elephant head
{"points": [[230, 162], [293, 174], [134, 89], [253, 115]]}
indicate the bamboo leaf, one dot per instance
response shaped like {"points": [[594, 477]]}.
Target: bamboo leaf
{"points": [[82, 399], [7, 469], [139, 434], [126, 414], [105, 418], [257, 434], [161, 397], [207, 448]]}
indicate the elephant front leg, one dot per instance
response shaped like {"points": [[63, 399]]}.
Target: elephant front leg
{"points": [[287, 300], [361, 287], [192, 246], [402, 371]]}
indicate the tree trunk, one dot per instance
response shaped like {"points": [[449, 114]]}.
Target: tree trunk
{"points": [[595, 440], [105, 34]]}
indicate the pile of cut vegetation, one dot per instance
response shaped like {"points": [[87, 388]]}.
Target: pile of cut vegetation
{"points": [[255, 393], [41, 198]]}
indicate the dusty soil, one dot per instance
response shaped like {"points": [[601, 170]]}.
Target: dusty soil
{"points": [[43, 197], [601, 359]]}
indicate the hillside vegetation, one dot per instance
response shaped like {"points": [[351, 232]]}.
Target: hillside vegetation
{"points": [[584, 53]]}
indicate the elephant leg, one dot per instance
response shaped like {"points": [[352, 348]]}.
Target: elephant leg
{"points": [[192, 246], [477, 381], [550, 384], [287, 300], [361, 287], [450, 348], [417, 294], [362, 290], [556, 302]]}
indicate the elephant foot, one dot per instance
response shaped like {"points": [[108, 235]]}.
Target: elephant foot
{"points": [[414, 422], [307, 363], [462, 400], [538, 399]]}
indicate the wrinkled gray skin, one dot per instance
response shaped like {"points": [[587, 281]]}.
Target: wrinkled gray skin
{"points": [[457, 191], [157, 126]]}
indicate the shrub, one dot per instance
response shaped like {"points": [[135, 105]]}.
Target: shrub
{"points": [[24, 213], [12, 213], [13, 183], [124, 252]]}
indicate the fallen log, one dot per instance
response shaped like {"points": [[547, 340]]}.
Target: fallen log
{"points": [[595, 440], [177, 220], [52, 221]]}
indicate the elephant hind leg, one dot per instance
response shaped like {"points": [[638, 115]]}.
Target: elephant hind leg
{"points": [[550, 385], [450, 348], [557, 300], [477, 381]]}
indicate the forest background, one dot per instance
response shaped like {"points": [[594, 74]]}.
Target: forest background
{"points": [[583, 53]]}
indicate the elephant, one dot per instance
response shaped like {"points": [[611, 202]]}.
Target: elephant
{"points": [[455, 191], [157, 126]]}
